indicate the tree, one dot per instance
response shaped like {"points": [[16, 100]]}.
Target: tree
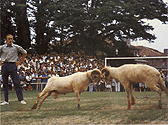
{"points": [[23, 32], [74, 22], [41, 24], [6, 22], [88, 24], [14, 21]]}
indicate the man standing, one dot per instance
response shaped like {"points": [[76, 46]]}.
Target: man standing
{"points": [[44, 79], [9, 62]]}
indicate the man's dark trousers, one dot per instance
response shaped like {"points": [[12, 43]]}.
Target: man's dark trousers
{"points": [[11, 69]]}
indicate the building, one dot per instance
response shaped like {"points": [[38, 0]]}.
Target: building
{"points": [[160, 61]]}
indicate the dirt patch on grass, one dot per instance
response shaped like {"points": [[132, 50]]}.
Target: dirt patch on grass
{"points": [[78, 120], [64, 98], [165, 121]]}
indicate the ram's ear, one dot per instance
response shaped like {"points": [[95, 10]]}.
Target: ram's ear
{"points": [[105, 72]]}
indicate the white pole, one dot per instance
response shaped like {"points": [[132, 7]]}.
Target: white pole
{"points": [[155, 57], [105, 62]]}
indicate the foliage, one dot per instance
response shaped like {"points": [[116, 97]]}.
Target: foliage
{"points": [[6, 23], [88, 26], [14, 21], [40, 23]]}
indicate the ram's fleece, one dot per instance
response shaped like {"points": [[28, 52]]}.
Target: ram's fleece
{"points": [[77, 83], [135, 73]]}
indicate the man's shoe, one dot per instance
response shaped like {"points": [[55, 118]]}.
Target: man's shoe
{"points": [[23, 102], [4, 103]]}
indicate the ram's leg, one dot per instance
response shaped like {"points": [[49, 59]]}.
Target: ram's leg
{"points": [[127, 89], [45, 96], [151, 83], [159, 91], [38, 97], [129, 104], [54, 93], [78, 98], [132, 97]]}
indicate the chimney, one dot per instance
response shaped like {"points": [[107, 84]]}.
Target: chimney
{"points": [[166, 52]]}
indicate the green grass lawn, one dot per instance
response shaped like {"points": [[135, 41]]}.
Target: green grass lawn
{"points": [[97, 108]]}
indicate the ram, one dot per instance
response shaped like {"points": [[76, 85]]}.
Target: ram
{"points": [[77, 83], [135, 73]]}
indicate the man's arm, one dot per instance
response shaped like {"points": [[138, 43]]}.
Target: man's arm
{"points": [[21, 60], [0, 55]]}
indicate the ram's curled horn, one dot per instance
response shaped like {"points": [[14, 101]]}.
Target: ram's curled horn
{"points": [[105, 72], [95, 72]]}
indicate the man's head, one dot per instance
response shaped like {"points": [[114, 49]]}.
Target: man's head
{"points": [[9, 39]]}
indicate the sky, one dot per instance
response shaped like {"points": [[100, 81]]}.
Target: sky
{"points": [[161, 33]]}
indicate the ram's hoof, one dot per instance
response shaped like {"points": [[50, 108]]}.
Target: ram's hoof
{"points": [[34, 106], [79, 107], [160, 104]]}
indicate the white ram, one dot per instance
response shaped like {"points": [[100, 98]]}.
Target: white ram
{"points": [[77, 83], [135, 73]]}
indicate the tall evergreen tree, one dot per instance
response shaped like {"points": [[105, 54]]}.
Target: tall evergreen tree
{"points": [[22, 23], [41, 24], [15, 22], [6, 23]]}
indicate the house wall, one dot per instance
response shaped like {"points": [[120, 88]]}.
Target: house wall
{"points": [[158, 63]]}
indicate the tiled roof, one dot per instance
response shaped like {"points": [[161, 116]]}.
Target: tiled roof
{"points": [[145, 51]]}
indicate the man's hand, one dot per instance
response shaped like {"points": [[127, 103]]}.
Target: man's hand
{"points": [[1, 64], [20, 62]]}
